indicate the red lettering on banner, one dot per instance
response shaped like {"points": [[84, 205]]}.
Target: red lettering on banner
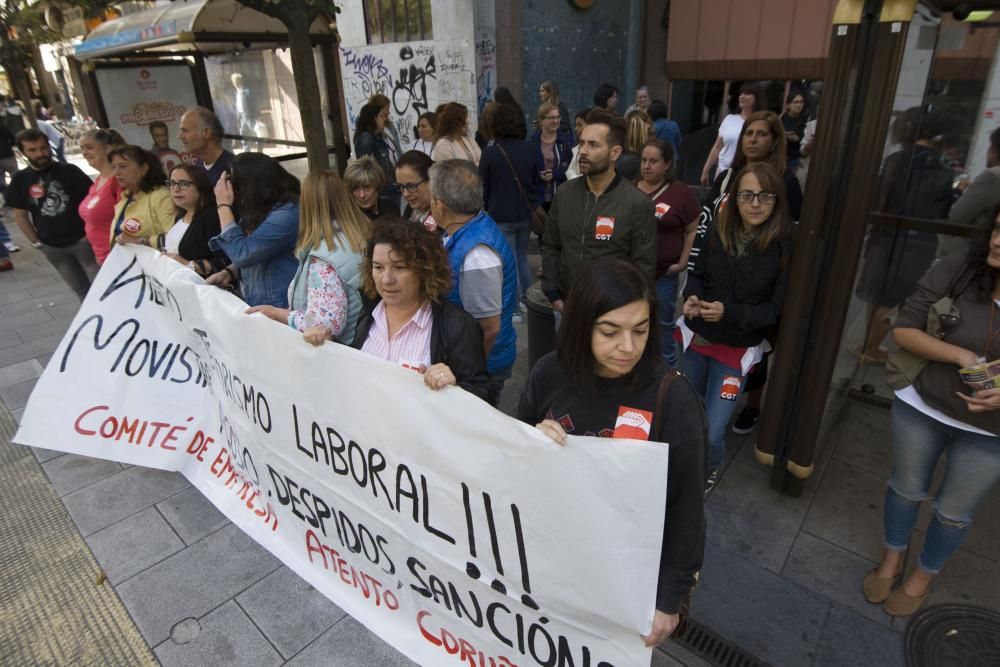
{"points": [[247, 491], [463, 648], [331, 560], [133, 430]]}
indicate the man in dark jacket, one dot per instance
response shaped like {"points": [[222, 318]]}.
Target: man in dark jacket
{"points": [[600, 215]]}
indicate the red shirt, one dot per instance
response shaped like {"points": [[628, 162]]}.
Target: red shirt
{"points": [[675, 207], [97, 210]]}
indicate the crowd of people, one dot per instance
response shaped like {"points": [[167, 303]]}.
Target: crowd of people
{"points": [[420, 257]]}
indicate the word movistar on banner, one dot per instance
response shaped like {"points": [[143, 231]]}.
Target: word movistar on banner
{"points": [[453, 532]]}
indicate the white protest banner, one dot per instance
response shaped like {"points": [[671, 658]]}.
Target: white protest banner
{"points": [[455, 533]]}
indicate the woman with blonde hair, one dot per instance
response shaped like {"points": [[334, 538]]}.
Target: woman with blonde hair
{"points": [[637, 127], [324, 298], [453, 142], [553, 152], [548, 93]]}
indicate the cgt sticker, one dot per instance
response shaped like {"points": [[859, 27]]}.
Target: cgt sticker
{"points": [[633, 423], [730, 388], [604, 228], [37, 191], [661, 209]]}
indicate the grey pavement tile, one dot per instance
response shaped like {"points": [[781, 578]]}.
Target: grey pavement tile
{"points": [[849, 639], [18, 414], [194, 581], [43, 329], [44, 359], [289, 611], [46, 290], [349, 644], [38, 303], [44, 455], [749, 518], [8, 338], [16, 396], [847, 510], [63, 310], [966, 578], [133, 544], [766, 615], [15, 322], [864, 440], [833, 573], [226, 637], [72, 472], [13, 296], [192, 515], [24, 351], [19, 372], [114, 498]]}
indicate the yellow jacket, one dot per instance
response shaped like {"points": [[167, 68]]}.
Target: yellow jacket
{"points": [[154, 211]]}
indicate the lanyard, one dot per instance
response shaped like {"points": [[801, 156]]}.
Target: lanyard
{"points": [[121, 216]]}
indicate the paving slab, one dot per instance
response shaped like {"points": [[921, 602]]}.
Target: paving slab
{"points": [[9, 338], [849, 639], [865, 440], [289, 611], [225, 637], [72, 472], [20, 372], [16, 396], [15, 322], [44, 455], [43, 329], [133, 544], [749, 518], [13, 296], [966, 578], [350, 644], [113, 498], [34, 349], [191, 515], [194, 581], [847, 510], [769, 617]]}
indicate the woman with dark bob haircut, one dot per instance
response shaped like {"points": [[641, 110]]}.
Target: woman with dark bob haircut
{"points": [[262, 243], [405, 270], [607, 365], [144, 212]]}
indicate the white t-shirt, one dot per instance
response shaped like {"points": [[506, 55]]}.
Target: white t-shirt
{"points": [[173, 238], [732, 126]]}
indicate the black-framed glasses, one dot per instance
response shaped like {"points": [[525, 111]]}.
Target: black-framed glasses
{"points": [[747, 196], [180, 185], [411, 187]]}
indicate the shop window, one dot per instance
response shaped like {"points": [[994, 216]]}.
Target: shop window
{"points": [[398, 20]]}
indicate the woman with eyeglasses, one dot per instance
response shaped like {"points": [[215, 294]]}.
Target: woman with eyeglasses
{"points": [[733, 297], [940, 415], [453, 141], [197, 221], [554, 150], [98, 208], [413, 180], [144, 212]]}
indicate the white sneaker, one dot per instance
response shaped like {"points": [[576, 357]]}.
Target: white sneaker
{"points": [[516, 318], [10, 246]]}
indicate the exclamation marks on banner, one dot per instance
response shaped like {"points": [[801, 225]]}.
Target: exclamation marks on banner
{"points": [[491, 522]]}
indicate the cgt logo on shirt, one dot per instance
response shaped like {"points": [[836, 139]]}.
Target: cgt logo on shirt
{"points": [[633, 423], [730, 388], [661, 209], [604, 228]]}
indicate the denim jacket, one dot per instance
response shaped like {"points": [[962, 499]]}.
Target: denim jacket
{"points": [[265, 256]]}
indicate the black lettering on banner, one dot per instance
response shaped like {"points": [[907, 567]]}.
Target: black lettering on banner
{"points": [[158, 292]]}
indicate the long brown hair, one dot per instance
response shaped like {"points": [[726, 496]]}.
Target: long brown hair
{"points": [[326, 211], [778, 148], [776, 227]]}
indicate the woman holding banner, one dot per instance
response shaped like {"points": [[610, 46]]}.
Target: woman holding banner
{"points": [[607, 378], [197, 221], [144, 212], [324, 301], [406, 270], [98, 208]]}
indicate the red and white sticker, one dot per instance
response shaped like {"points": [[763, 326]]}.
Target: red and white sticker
{"points": [[730, 387], [131, 226], [413, 365], [37, 191], [633, 423], [604, 228], [661, 209]]}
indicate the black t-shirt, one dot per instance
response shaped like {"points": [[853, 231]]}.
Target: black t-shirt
{"points": [[548, 394], [798, 126], [51, 198], [223, 163]]}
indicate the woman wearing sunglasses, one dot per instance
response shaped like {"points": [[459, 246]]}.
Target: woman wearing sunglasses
{"points": [[412, 179], [733, 297], [197, 221], [940, 414]]}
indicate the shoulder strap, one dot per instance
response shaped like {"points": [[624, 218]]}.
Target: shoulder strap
{"points": [[661, 397], [514, 172]]}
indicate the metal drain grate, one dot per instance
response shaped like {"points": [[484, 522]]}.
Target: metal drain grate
{"points": [[712, 648], [952, 634]]}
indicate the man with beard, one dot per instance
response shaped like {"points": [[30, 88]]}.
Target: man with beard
{"points": [[45, 197], [600, 215]]}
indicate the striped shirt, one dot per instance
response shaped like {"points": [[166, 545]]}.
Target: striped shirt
{"points": [[411, 346]]}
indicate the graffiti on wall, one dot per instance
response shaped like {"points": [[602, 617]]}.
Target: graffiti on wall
{"points": [[415, 76], [486, 69]]}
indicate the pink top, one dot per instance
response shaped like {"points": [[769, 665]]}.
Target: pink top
{"points": [[326, 300], [97, 210], [411, 346]]}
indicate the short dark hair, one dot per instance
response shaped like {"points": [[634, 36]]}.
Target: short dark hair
{"points": [[260, 183], [604, 92], [157, 125], [665, 147], [583, 113], [366, 118], [154, 178], [418, 161], [759, 94], [421, 251], [28, 135], [199, 177], [601, 287], [614, 123], [657, 109], [503, 95], [508, 122], [432, 120]]}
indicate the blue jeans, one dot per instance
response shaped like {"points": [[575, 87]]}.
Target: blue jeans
{"points": [[666, 304], [973, 467], [517, 235], [720, 387]]}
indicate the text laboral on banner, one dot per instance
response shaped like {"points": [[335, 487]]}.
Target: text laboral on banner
{"points": [[452, 531]]}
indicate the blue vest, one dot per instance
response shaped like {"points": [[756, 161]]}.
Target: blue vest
{"points": [[348, 266], [482, 230]]}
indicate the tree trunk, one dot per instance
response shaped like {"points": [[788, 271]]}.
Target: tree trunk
{"points": [[307, 89], [16, 72]]}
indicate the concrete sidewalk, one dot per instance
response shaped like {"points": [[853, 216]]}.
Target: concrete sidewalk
{"points": [[781, 579]]}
